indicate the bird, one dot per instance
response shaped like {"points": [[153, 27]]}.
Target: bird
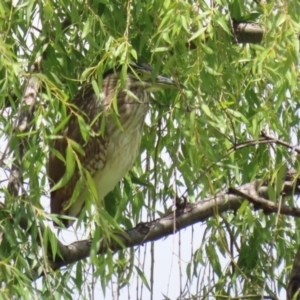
{"points": [[116, 116]]}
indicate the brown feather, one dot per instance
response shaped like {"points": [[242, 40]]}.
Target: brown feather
{"points": [[99, 150]]}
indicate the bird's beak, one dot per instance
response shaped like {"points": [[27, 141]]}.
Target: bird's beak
{"points": [[162, 82]]}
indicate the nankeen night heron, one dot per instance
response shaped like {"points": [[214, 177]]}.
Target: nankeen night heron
{"points": [[108, 155]]}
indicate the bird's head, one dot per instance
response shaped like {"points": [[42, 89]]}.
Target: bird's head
{"points": [[141, 75]]}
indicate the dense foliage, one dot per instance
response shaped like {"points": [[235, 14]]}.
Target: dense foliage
{"points": [[233, 93]]}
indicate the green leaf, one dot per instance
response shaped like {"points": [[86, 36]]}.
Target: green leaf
{"points": [[78, 148], [87, 27], [198, 33], [161, 49], [91, 184], [138, 181], [96, 88], [281, 174], [213, 259], [143, 277], [84, 128], [224, 24], [61, 125], [206, 110], [252, 17], [70, 168], [280, 20], [79, 277]]}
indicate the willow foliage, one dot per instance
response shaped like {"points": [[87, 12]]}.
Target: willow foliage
{"points": [[233, 93]]}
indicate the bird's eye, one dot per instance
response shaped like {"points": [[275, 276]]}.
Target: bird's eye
{"points": [[139, 74]]}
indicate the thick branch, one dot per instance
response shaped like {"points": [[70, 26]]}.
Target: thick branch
{"points": [[247, 32], [188, 215]]}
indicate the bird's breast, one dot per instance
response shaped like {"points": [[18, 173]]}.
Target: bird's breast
{"points": [[121, 156], [110, 162], [123, 145]]}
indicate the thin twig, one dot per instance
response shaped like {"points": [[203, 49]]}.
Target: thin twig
{"points": [[264, 139]]}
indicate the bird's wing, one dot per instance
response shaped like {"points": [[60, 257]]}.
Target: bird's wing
{"points": [[95, 149]]}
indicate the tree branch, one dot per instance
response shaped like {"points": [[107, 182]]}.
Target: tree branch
{"points": [[186, 215], [21, 125], [245, 32]]}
